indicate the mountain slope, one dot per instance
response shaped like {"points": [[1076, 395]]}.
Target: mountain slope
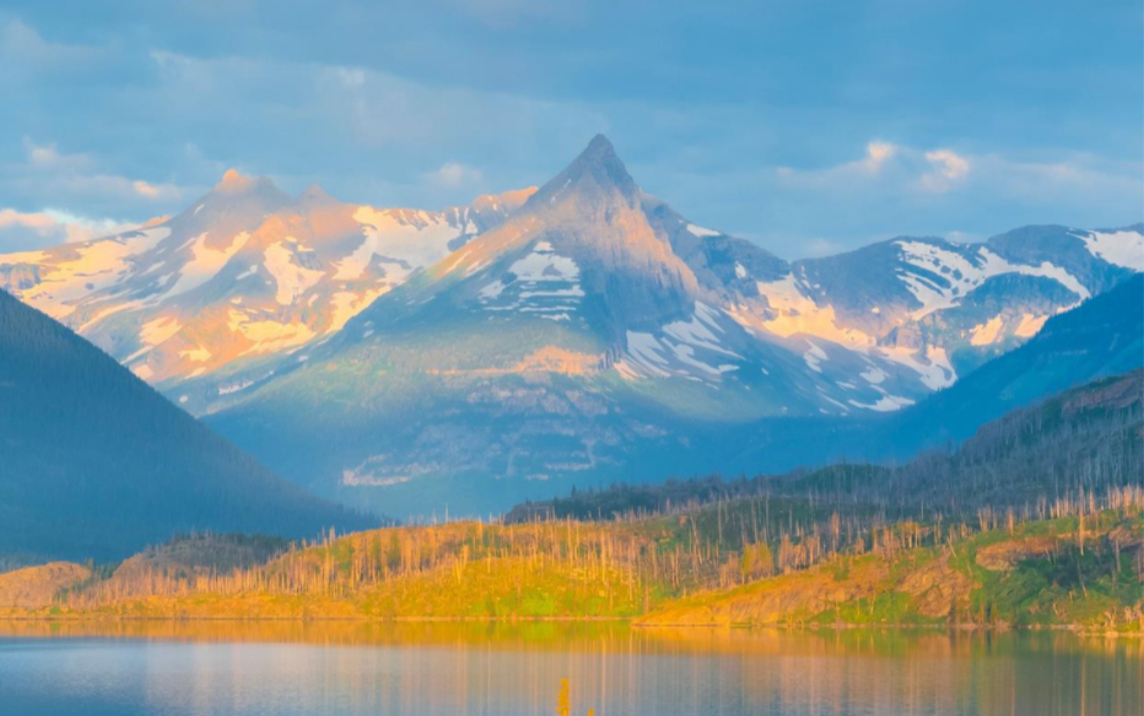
{"points": [[96, 464], [1104, 336]]}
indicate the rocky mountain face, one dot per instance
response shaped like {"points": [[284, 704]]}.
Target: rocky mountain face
{"points": [[582, 331]]}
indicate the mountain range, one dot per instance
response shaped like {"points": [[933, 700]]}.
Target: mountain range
{"points": [[406, 360], [1102, 337]]}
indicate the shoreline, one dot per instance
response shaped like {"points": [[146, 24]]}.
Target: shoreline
{"points": [[633, 623]]}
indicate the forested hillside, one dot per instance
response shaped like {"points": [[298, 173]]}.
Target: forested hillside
{"points": [[95, 464], [1090, 438], [1036, 521]]}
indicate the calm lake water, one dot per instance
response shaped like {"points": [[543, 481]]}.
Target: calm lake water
{"points": [[505, 670]]}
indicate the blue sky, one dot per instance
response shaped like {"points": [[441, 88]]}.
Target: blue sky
{"points": [[808, 127]]}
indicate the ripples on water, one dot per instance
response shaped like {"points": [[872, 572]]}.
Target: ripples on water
{"points": [[503, 670]]}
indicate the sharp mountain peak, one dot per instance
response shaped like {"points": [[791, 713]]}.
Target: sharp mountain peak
{"points": [[237, 194], [234, 182], [315, 194], [597, 169]]}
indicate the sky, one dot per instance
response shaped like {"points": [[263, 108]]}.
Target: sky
{"points": [[808, 127]]}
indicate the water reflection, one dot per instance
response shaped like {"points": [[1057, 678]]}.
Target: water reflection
{"points": [[209, 667]]}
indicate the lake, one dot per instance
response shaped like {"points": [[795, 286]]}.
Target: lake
{"points": [[278, 668]]}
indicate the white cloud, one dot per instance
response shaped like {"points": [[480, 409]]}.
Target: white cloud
{"points": [[351, 76], [917, 191], [965, 237], [877, 154], [947, 169], [24, 51], [887, 166], [27, 230], [1079, 179], [76, 176], [47, 156], [822, 247], [146, 189], [454, 175]]}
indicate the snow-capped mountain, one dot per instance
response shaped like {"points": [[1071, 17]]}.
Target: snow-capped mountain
{"points": [[246, 275], [596, 334], [576, 329], [934, 308]]}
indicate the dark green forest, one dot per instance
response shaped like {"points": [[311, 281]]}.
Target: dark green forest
{"points": [[1086, 440]]}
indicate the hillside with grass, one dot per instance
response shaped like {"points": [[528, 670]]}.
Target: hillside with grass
{"points": [[1081, 570], [1082, 565]]}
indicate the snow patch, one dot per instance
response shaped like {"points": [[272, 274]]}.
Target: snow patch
{"points": [[794, 313], [697, 332], [415, 239], [935, 372], [205, 263], [1030, 325], [962, 274], [987, 333], [198, 354], [291, 279], [546, 283], [885, 404], [874, 375], [814, 356], [1120, 248]]}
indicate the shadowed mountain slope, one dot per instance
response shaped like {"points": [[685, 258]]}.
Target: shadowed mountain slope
{"points": [[95, 464]]}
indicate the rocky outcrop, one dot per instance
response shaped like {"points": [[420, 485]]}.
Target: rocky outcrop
{"points": [[938, 589]]}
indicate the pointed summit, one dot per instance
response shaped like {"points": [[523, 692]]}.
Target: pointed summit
{"points": [[598, 170], [236, 201], [600, 146], [237, 186], [235, 183]]}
